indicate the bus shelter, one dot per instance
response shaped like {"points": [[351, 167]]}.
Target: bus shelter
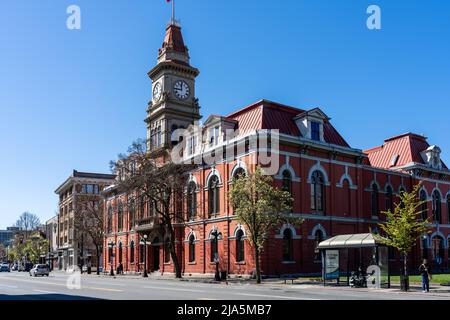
{"points": [[342, 255]]}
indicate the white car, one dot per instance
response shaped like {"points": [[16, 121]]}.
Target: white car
{"points": [[40, 270]]}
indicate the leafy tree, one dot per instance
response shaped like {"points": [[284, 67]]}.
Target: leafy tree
{"points": [[261, 208], [35, 246], [405, 226], [161, 182]]}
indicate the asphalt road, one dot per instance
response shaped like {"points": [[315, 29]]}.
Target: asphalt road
{"points": [[20, 286]]}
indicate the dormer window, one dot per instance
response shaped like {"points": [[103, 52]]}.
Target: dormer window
{"points": [[432, 157], [214, 136], [315, 131], [311, 124], [192, 145]]}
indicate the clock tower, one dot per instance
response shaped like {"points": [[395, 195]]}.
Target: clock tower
{"points": [[174, 104]]}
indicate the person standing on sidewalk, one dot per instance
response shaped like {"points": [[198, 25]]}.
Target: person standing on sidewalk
{"points": [[424, 270]]}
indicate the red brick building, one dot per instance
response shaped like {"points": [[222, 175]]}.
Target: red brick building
{"points": [[337, 189]]}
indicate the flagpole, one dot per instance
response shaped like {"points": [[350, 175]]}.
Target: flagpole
{"points": [[173, 11]]}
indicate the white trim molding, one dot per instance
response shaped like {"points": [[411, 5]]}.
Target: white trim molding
{"points": [[280, 235]]}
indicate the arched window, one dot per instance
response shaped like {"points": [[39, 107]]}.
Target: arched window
{"points": [[120, 216], [287, 181], [401, 192], [346, 197], [288, 255], [437, 209], [110, 218], [240, 246], [167, 248], [141, 207], [424, 206], [132, 252], [214, 195], [192, 200], [438, 251], [424, 248], [389, 199], [317, 192], [214, 248], [151, 208], [239, 173], [132, 213], [448, 211], [120, 253], [375, 208], [318, 239], [192, 248]]}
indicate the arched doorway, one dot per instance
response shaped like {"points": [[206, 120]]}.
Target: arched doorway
{"points": [[156, 248]]}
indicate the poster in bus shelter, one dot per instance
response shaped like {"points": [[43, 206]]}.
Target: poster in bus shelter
{"points": [[332, 264]]}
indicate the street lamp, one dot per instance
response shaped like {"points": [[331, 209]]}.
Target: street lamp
{"points": [[111, 247], [144, 243], [215, 237]]}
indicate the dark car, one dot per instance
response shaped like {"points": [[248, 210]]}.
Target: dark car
{"points": [[4, 267]]}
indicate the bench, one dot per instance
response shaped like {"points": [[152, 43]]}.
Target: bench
{"points": [[288, 277]]}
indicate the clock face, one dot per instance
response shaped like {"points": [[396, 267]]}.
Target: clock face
{"points": [[157, 92], [181, 90]]}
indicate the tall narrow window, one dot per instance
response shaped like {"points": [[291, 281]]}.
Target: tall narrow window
{"points": [[214, 195], [132, 252], [389, 199], [110, 218], [288, 255], [132, 213], [424, 207], [318, 239], [120, 217], [240, 246], [141, 207], [437, 207], [141, 253], [214, 248], [375, 208], [425, 248], [239, 173], [315, 131], [191, 248], [346, 197], [317, 192], [287, 181], [192, 200], [120, 253], [448, 211]]}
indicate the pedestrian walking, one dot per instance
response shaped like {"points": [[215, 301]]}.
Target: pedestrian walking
{"points": [[424, 270]]}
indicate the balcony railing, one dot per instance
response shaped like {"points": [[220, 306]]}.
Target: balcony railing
{"points": [[146, 224]]}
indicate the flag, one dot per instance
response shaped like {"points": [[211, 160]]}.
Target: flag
{"points": [[168, 1]]}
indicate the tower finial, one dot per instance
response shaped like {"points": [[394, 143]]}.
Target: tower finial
{"points": [[172, 20]]}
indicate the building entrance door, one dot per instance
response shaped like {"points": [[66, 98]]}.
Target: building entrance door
{"points": [[156, 258]]}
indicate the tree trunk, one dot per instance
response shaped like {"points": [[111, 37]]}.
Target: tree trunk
{"points": [[405, 281], [98, 260], [258, 267], [173, 253]]}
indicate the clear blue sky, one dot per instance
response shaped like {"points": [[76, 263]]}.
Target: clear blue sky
{"points": [[75, 99]]}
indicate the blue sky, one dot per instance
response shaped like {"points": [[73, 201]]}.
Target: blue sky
{"points": [[75, 99]]}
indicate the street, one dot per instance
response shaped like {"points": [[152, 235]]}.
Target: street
{"points": [[20, 286]]}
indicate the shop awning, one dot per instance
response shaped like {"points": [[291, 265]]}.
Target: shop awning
{"points": [[365, 240]]}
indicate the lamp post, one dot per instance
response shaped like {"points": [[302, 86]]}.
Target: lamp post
{"points": [[215, 237], [144, 243], [111, 248]]}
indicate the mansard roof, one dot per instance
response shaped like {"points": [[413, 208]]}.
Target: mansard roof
{"points": [[399, 151], [268, 115]]}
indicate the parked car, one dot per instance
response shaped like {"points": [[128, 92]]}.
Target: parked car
{"points": [[4, 267], [40, 270]]}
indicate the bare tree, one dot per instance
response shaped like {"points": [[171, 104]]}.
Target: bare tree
{"points": [[28, 222], [88, 224], [162, 183]]}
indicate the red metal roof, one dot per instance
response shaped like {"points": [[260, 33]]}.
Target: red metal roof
{"points": [[174, 39], [398, 151], [270, 115]]}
